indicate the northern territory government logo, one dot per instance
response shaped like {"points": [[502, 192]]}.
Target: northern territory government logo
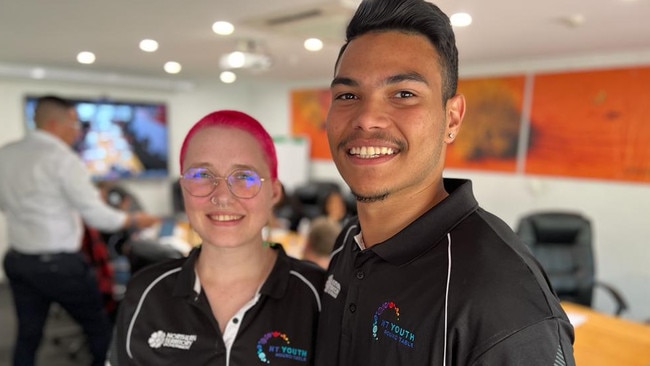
{"points": [[171, 340], [274, 345], [385, 324]]}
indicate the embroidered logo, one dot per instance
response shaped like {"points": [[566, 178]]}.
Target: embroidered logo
{"points": [[159, 339], [386, 325], [277, 345], [332, 287]]}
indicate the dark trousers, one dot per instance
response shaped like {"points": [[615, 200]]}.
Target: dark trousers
{"points": [[67, 279]]}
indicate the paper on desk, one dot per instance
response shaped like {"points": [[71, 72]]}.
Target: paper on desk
{"points": [[576, 318]]}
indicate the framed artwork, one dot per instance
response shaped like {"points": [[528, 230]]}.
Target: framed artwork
{"points": [[489, 135], [593, 124], [308, 114]]}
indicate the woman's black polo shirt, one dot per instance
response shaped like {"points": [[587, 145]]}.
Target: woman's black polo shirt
{"points": [[164, 321]]}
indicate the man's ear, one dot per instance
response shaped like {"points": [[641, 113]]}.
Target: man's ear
{"points": [[454, 113]]}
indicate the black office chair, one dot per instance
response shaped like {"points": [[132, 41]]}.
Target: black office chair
{"points": [[310, 197], [562, 242]]}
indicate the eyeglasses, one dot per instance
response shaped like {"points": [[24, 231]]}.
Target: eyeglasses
{"points": [[242, 183]]}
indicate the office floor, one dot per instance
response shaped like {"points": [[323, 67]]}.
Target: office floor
{"points": [[50, 354]]}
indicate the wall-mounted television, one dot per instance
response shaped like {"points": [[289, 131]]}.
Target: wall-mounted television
{"points": [[119, 139]]}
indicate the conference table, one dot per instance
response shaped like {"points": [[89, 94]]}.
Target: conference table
{"points": [[602, 339]]}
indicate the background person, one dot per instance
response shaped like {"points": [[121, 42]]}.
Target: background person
{"points": [[236, 299], [424, 276], [335, 207], [45, 193], [320, 240]]}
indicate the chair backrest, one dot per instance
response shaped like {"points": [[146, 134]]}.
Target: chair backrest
{"points": [[562, 243], [310, 197]]}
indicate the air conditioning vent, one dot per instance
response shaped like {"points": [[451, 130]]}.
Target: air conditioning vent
{"points": [[295, 17], [326, 21]]}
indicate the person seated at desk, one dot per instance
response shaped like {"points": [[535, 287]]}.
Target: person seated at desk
{"points": [[227, 302], [320, 240]]}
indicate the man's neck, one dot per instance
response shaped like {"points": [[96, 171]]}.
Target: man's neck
{"points": [[381, 220]]}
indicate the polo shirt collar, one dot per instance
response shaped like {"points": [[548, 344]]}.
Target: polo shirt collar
{"points": [[276, 284], [428, 229], [187, 277]]}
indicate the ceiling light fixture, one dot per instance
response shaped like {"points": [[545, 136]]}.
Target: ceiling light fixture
{"points": [[228, 77], [248, 56], [223, 28], [148, 45], [86, 57], [313, 44], [460, 19], [38, 73], [172, 67]]}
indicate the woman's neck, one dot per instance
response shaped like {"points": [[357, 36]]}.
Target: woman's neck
{"points": [[233, 264]]}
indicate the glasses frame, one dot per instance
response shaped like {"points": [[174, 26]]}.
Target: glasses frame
{"points": [[215, 182]]}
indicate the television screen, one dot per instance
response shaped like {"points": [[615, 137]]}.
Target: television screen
{"points": [[119, 139]]}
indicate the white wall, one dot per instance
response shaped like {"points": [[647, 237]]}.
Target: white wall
{"points": [[620, 211]]}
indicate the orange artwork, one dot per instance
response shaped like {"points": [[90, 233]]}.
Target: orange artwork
{"points": [[489, 135], [308, 113], [591, 124]]}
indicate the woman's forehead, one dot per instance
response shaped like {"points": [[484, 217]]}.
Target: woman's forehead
{"points": [[224, 147]]}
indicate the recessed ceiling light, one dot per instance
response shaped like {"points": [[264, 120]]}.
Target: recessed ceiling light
{"points": [[37, 73], [223, 28], [313, 44], [172, 67], [148, 45], [228, 77], [460, 19], [86, 57], [236, 59]]}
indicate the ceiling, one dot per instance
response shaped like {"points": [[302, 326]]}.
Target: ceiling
{"points": [[49, 34]]}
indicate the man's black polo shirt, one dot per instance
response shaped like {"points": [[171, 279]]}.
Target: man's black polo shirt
{"points": [[163, 320], [455, 287]]}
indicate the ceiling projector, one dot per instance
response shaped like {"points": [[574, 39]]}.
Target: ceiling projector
{"points": [[245, 60]]}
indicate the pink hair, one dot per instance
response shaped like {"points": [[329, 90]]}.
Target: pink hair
{"points": [[241, 121]]}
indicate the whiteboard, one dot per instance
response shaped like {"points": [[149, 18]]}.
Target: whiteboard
{"points": [[293, 160]]}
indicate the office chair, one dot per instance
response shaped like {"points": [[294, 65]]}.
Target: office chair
{"points": [[310, 197], [562, 243]]}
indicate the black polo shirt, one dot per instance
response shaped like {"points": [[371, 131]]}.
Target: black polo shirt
{"points": [[455, 287], [163, 320]]}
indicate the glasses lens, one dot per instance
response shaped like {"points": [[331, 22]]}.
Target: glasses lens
{"points": [[244, 183], [198, 182]]}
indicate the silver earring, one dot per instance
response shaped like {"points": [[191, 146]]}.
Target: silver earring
{"points": [[451, 135]]}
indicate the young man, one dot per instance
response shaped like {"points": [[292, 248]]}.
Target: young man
{"points": [[424, 276]]}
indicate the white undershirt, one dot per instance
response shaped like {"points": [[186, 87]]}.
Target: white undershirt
{"points": [[232, 327]]}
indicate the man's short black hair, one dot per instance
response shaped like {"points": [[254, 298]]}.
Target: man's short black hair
{"points": [[410, 16]]}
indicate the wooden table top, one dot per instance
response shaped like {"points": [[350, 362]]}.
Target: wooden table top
{"points": [[602, 339]]}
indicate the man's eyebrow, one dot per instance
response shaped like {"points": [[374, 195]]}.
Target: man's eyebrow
{"points": [[409, 76], [343, 81], [394, 79]]}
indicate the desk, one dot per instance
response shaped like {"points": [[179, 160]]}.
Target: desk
{"points": [[602, 339], [292, 242]]}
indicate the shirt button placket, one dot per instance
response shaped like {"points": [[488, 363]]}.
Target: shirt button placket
{"points": [[360, 275]]}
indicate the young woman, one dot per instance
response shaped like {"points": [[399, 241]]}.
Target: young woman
{"points": [[235, 300]]}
